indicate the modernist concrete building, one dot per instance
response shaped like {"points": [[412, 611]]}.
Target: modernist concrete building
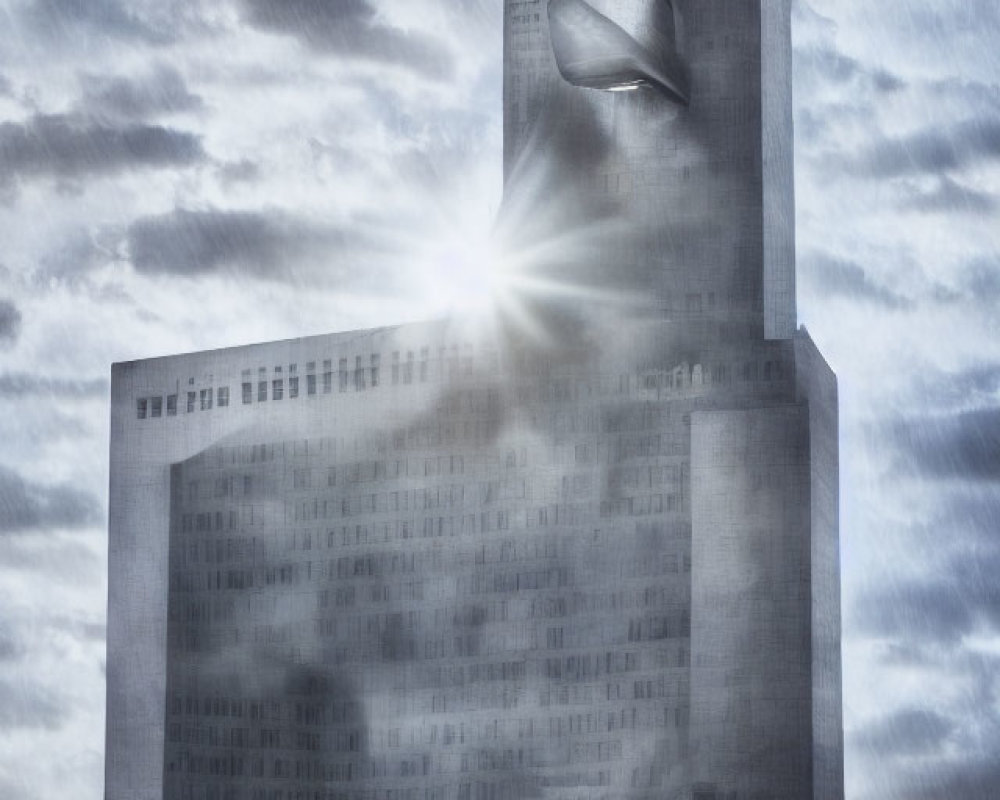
{"points": [[453, 560]]}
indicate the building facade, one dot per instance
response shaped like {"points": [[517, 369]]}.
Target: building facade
{"points": [[452, 560]]}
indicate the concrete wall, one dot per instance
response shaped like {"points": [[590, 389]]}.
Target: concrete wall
{"points": [[751, 683]]}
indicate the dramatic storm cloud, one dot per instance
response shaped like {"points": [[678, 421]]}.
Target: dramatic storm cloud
{"points": [[10, 322], [909, 732], [948, 195], [352, 28], [163, 91], [72, 146], [849, 279], [180, 176], [966, 445], [190, 242], [32, 506], [23, 384], [931, 150]]}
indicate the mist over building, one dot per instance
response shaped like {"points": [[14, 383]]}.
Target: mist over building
{"points": [[586, 549]]}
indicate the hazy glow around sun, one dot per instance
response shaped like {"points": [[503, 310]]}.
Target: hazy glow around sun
{"points": [[463, 270]]}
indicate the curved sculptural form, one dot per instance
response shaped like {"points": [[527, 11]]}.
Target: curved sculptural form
{"points": [[594, 52]]}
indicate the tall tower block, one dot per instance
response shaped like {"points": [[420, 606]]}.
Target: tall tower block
{"points": [[696, 176], [458, 561], [665, 127]]}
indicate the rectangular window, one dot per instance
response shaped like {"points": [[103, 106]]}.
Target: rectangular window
{"points": [[206, 399], [293, 386], [140, 407], [222, 396], [171, 405], [408, 368], [327, 376], [192, 396], [359, 375], [376, 358], [277, 389], [342, 371], [247, 393], [156, 407], [302, 478], [261, 391], [424, 355], [395, 367], [310, 384]]}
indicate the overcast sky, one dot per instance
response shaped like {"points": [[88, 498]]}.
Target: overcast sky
{"points": [[182, 175]]}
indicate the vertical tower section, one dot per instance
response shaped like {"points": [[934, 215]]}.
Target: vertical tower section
{"points": [[751, 604], [817, 385], [687, 196], [777, 169]]}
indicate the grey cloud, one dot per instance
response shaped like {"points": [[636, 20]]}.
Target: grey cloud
{"points": [[910, 732], [254, 242], [950, 196], [885, 81], [940, 21], [982, 280], [924, 612], [827, 61], [74, 253], [26, 506], [71, 146], [10, 648], [831, 65], [163, 91], [93, 631], [109, 18], [948, 752], [809, 126], [243, 171], [23, 384], [971, 779], [80, 628], [961, 597], [964, 445], [352, 28], [60, 561], [975, 284], [931, 151], [15, 644], [10, 322], [803, 14], [963, 92], [975, 514], [969, 387], [905, 654], [25, 705], [837, 276], [975, 574], [6, 90]]}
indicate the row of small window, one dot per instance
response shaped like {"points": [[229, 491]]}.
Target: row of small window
{"points": [[233, 766], [155, 407], [336, 712], [360, 377]]}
